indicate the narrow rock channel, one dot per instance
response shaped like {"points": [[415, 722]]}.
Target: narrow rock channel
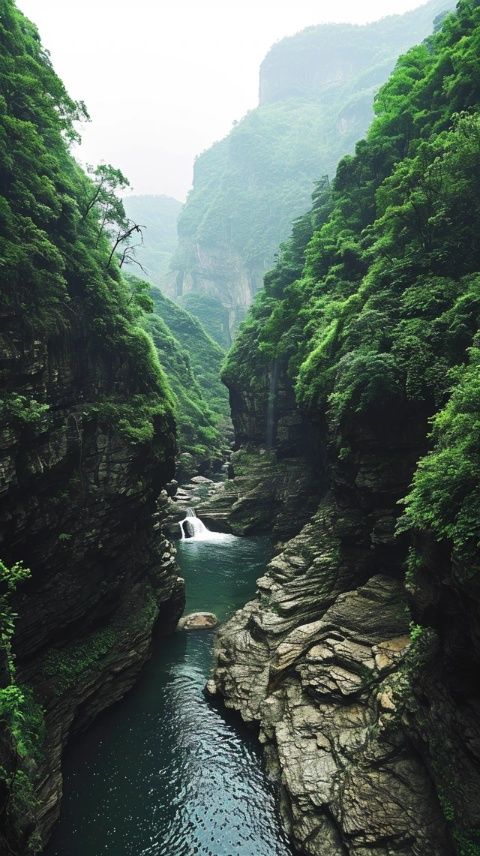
{"points": [[165, 773]]}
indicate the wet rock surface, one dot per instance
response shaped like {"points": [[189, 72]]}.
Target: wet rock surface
{"points": [[198, 621], [322, 661], [320, 693], [78, 507], [264, 493]]}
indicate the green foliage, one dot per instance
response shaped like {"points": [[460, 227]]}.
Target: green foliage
{"points": [[61, 287], [199, 409], [416, 631], [64, 667], [211, 313], [18, 710], [445, 497], [21, 410], [465, 844], [204, 354], [107, 183], [142, 420], [21, 717], [10, 578], [249, 186], [467, 841], [56, 228], [375, 300]]}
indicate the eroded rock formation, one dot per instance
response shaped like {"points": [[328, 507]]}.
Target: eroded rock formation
{"points": [[87, 441], [78, 507], [349, 706]]}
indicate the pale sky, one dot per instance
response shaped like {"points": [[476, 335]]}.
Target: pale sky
{"points": [[164, 79]]}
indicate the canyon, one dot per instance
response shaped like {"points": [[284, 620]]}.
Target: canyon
{"points": [[353, 391]]}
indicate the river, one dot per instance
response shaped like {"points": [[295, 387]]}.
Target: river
{"points": [[164, 773]]}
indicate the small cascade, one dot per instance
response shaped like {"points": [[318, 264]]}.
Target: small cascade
{"points": [[192, 529]]}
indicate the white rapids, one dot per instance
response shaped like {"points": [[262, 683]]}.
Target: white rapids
{"points": [[192, 529]]}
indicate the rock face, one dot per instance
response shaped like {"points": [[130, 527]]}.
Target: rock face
{"points": [[371, 731], [359, 658], [264, 494], [316, 98], [87, 441], [314, 662], [278, 473], [320, 692], [219, 275], [322, 661], [78, 506]]}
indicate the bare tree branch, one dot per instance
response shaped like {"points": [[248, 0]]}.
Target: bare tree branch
{"points": [[122, 237]]}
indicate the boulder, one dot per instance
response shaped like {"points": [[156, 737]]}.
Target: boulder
{"points": [[198, 621]]}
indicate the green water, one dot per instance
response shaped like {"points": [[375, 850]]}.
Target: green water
{"points": [[164, 773]]}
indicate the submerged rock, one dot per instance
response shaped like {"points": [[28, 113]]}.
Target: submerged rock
{"points": [[198, 621]]}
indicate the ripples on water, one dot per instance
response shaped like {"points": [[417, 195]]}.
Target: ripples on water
{"points": [[164, 773]]}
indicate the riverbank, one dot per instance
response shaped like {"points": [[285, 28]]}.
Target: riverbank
{"points": [[165, 773]]}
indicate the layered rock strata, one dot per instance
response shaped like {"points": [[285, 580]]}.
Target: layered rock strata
{"points": [[316, 668], [78, 507], [322, 661]]}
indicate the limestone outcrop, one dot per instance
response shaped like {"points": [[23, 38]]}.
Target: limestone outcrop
{"points": [[369, 724], [316, 670]]}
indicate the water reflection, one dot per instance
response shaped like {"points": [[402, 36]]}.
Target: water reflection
{"points": [[164, 774]]}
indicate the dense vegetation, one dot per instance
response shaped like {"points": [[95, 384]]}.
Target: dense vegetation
{"points": [[375, 300], [61, 284], [317, 90], [213, 317], [55, 246], [192, 363], [204, 354], [311, 61], [157, 215]]}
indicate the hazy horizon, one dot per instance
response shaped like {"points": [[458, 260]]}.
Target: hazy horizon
{"points": [[164, 84]]}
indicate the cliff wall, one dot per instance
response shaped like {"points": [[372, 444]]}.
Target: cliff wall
{"points": [[87, 442], [316, 98], [357, 658]]}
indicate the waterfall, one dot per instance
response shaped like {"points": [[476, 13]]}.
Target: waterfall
{"points": [[192, 528]]}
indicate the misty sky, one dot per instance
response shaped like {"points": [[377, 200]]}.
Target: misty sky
{"points": [[163, 79]]}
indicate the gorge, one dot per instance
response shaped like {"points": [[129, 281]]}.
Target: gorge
{"points": [[351, 495]]}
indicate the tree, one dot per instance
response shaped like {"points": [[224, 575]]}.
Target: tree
{"points": [[109, 209]]}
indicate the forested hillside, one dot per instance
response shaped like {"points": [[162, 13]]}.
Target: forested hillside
{"points": [[192, 363], [371, 319], [204, 354], [316, 95], [87, 442], [354, 390]]}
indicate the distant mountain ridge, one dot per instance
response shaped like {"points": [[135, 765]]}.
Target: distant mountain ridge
{"points": [[308, 63], [158, 215], [316, 97]]}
